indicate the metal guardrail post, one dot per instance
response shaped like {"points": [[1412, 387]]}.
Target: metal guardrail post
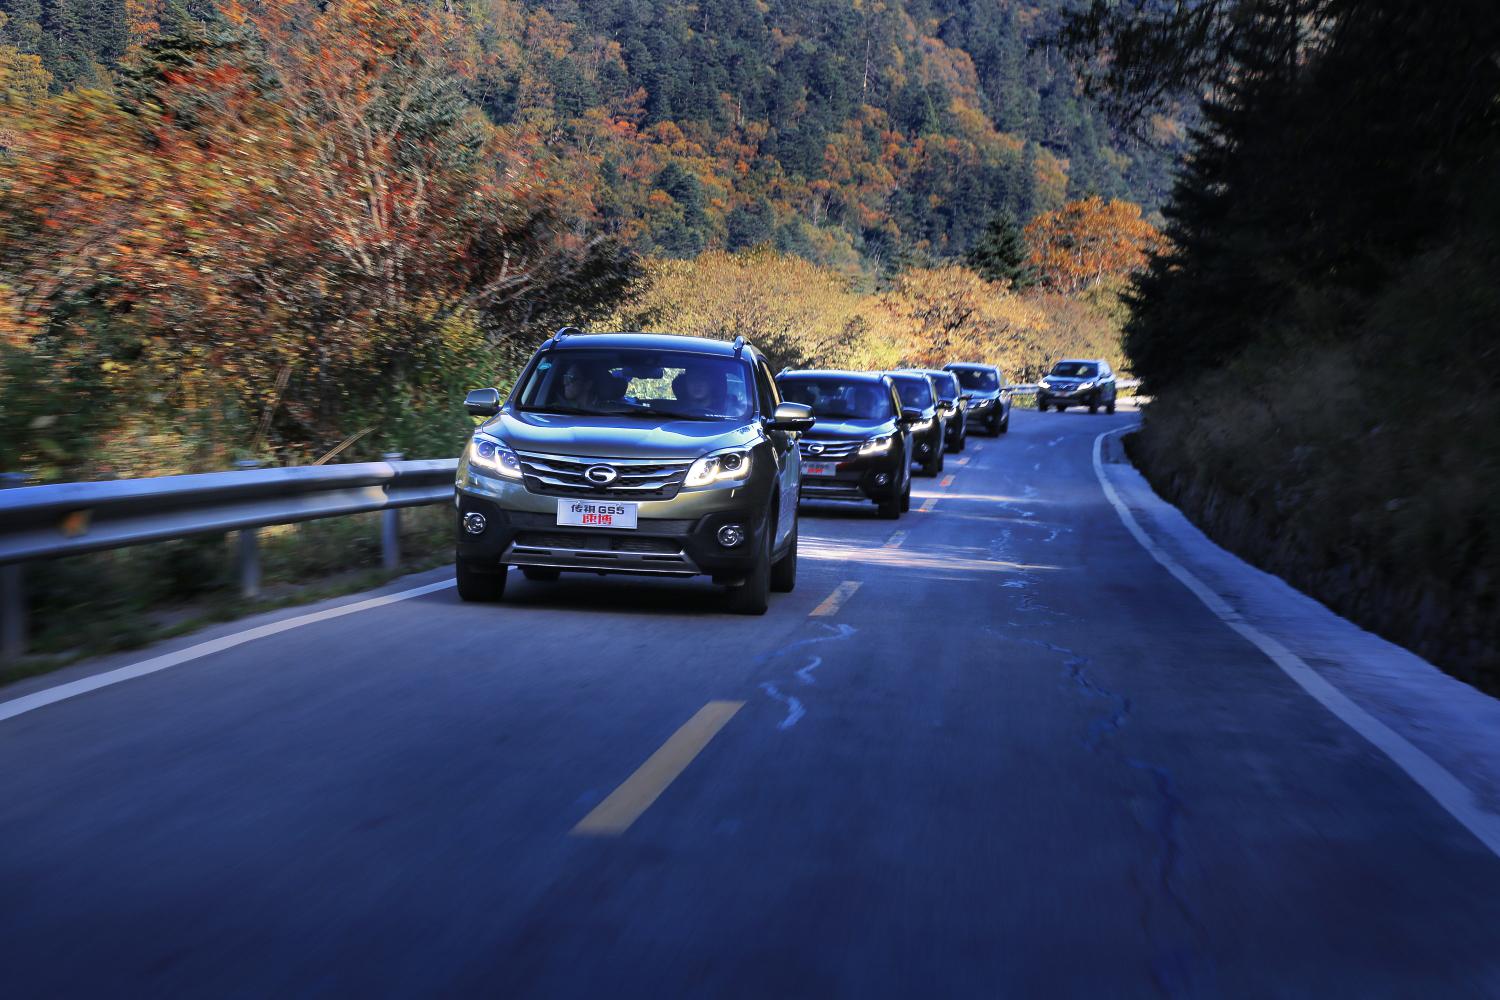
{"points": [[13, 637], [390, 527], [249, 548]]}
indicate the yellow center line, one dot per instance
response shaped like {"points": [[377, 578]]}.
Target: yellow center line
{"points": [[964, 460], [928, 504], [894, 542], [947, 481], [835, 600], [625, 804]]}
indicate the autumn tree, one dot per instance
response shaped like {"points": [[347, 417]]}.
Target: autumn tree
{"points": [[1087, 241]]}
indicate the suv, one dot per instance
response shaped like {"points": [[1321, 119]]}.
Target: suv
{"points": [[930, 431], [861, 446], [633, 453], [1074, 382], [985, 391], [952, 404]]}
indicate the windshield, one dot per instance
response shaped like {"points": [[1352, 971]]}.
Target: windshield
{"points": [[946, 385], [977, 378], [839, 399], [1075, 369], [627, 382], [916, 393]]}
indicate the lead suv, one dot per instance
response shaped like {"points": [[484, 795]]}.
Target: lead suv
{"points": [[861, 448], [1077, 381], [633, 453]]}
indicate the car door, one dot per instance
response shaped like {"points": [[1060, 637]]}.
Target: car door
{"points": [[784, 449]]}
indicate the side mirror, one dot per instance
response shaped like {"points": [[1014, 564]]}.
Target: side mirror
{"points": [[792, 417], [910, 417], [482, 402]]}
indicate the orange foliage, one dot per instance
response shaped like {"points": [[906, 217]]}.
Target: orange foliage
{"points": [[1086, 242]]}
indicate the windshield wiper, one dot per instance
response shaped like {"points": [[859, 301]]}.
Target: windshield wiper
{"points": [[668, 414]]}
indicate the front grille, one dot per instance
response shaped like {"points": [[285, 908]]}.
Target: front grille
{"points": [[833, 451], [639, 479], [601, 542]]}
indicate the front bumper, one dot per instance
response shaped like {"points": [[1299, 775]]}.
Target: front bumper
{"points": [[677, 537], [856, 479]]}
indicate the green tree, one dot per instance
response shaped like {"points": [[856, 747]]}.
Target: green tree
{"points": [[1000, 252]]}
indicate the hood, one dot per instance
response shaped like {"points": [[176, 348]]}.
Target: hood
{"points": [[617, 437], [981, 393], [1067, 379], [829, 429]]}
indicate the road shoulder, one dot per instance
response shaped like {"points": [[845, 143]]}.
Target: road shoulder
{"points": [[1449, 721]]}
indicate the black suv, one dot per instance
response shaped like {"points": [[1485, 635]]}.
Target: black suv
{"points": [[860, 448], [930, 431], [952, 404], [634, 453], [1075, 382], [987, 396]]}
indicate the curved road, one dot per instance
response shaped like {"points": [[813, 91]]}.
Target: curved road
{"points": [[993, 749]]}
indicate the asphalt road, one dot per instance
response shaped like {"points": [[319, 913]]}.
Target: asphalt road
{"points": [[993, 749]]}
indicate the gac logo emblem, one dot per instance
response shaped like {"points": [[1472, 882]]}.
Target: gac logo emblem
{"points": [[600, 475]]}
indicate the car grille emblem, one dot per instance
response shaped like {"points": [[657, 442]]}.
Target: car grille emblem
{"points": [[601, 475], [815, 449]]}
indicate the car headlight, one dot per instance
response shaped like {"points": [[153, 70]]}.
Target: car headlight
{"points": [[876, 445], [490, 456], [925, 425], [980, 404], [720, 467], [1085, 386]]}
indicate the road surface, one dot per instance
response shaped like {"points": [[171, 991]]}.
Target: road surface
{"points": [[993, 749]]}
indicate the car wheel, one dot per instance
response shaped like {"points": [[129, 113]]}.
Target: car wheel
{"points": [[754, 595], [941, 458], [542, 574], [933, 463], [1059, 407], [784, 571], [906, 498], [963, 438], [1005, 423], [1094, 406], [992, 424], [479, 584], [1110, 408]]}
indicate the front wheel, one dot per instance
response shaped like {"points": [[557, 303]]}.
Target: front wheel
{"points": [[754, 595], [784, 571], [1005, 423], [934, 463], [1111, 407], [906, 497], [480, 585], [1059, 407]]}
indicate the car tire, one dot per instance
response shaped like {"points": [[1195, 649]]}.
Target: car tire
{"points": [[906, 497], [479, 585], [933, 464], [1094, 406], [784, 570], [541, 574], [1005, 423], [963, 438], [1059, 407], [992, 424], [1110, 407], [890, 510], [754, 595]]}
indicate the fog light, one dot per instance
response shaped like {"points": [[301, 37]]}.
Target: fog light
{"points": [[925, 448], [474, 523], [731, 535], [882, 479]]}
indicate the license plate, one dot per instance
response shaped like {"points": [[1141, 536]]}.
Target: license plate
{"points": [[596, 513], [820, 469]]}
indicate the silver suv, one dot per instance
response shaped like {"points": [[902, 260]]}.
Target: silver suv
{"points": [[634, 453]]}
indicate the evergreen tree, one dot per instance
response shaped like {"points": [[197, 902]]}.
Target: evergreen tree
{"points": [[1000, 252]]}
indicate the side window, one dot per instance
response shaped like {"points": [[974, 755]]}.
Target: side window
{"points": [[765, 387]]}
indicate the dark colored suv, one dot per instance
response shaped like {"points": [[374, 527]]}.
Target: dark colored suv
{"points": [[988, 398], [1077, 382], [952, 405], [860, 448], [634, 453], [930, 431]]}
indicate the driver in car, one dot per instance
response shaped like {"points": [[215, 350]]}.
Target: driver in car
{"points": [[865, 402], [700, 392]]}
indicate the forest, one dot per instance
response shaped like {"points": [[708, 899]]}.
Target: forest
{"points": [[287, 230]]}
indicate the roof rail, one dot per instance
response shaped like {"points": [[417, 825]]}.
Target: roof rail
{"points": [[566, 331]]}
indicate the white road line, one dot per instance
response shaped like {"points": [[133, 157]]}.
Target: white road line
{"points": [[51, 696], [1436, 780]]}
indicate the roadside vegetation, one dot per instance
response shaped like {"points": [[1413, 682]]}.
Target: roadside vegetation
{"points": [[1319, 338]]}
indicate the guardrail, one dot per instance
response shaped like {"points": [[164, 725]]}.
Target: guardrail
{"points": [[40, 522]]}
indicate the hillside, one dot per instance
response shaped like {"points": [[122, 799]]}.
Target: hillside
{"points": [[848, 133]]}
